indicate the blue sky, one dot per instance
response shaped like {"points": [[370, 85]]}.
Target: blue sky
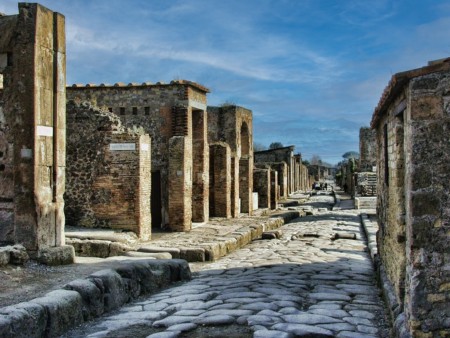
{"points": [[311, 71]]}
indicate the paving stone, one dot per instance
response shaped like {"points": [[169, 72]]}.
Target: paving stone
{"points": [[215, 320], [240, 295], [362, 314], [326, 306], [190, 298], [290, 310], [182, 327], [337, 327], [262, 320], [271, 334], [285, 303], [328, 296], [189, 312], [269, 313], [165, 334], [335, 313], [259, 306], [173, 320], [349, 334], [147, 315], [309, 319], [156, 306], [358, 321], [225, 306], [194, 305], [367, 329], [228, 312], [300, 330]]}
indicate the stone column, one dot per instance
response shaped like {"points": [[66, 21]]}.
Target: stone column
{"points": [[220, 180], [246, 184], [261, 179], [180, 183], [274, 187]]}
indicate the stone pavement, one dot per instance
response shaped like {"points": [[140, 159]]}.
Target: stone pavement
{"points": [[317, 280]]}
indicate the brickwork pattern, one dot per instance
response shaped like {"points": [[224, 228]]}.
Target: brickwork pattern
{"points": [[220, 180]]}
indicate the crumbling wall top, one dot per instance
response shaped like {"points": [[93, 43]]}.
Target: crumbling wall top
{"points": [[144, 84], [399, 80]]}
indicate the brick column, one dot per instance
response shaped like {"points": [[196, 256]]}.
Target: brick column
{"points": [[180, 183], [246, 184], [235, 206], [274, 187], [220, 180], [261, 179]]}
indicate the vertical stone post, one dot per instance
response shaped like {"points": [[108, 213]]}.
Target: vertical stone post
{"points": [[34, 97], [220, 180], [145, 180], [246, 184], [180, 183], [235, 206], [274, 187], [261, 179], [200, 176]]}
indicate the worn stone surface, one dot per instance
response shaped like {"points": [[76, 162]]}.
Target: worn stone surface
{"points": [[271, 287]]}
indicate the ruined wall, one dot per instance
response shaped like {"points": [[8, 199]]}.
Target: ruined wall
{"points": [[220, 180], [261, 179], [412, 123], [234, 126], [285, 154], [108, 172], [163, 111], [32, 127], [367, 149]]}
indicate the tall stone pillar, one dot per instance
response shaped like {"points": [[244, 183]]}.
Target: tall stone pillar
{"points": [[220, 180], [246, 184], [34, 110], [180, 183]]}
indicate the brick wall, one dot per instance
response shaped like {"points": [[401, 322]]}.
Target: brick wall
{"points": [[108, 173], [261, 179], [220, 180], [163, 111], [412, 123]]}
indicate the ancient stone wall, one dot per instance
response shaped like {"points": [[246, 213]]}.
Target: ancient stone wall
{"points": [[108, 172], [164, 111], [32, 127], [412, 122], [285, 154], [261, 179], [220, 180], [234, 125], [367, 149]]}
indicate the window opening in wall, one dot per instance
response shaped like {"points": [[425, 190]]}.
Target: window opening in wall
{"points": [[386, 154], [135, 110], [122, 110], [147, 110], [110, 109]]}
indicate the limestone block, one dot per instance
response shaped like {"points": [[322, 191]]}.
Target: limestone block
{"points": [[18, 254], [193, 254], [23, 320], [112, 287], [64, 309], [60, 255], [4, 256], [91, 295]]}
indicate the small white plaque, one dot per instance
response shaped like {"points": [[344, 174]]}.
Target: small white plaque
{"points": [[44, 131], [145, 146], [26, 153], [122, 146]]}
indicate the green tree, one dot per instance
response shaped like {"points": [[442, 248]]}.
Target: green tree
{"points": [[350, 154], [275, 145]]}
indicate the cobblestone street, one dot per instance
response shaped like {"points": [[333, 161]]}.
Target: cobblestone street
{"points": [[316, 280]]}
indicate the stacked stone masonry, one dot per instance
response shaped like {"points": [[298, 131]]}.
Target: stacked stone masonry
{"points": [[32, 128], [174, 115], [108, 172], [412, 123]]}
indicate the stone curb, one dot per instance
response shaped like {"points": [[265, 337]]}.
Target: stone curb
{"points": [[370, 230], [224, 245], [394, 308], [84, 299]]}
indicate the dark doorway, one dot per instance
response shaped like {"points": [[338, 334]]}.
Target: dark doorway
{"points": [[156, 200]]}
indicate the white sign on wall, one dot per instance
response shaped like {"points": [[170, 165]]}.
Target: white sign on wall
{"points": [[122, 146], [44, 131], [145, 146]]}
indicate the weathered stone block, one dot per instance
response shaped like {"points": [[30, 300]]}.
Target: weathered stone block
{"points": [[112, 288], [64, 309], [91, 295], [60, 255]]}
